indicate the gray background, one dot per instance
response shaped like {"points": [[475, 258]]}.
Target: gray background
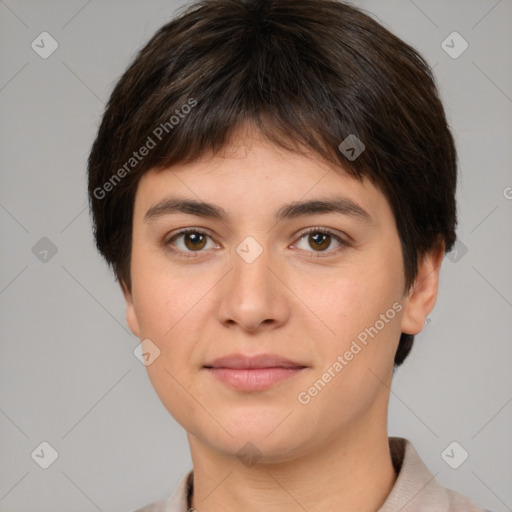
{"points": [[68, 375]]}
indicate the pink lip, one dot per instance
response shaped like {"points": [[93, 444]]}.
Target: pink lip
{"points": [[253, 373]]}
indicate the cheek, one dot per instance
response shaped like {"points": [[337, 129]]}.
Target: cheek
{"points": [[162, 295], [172, 307], [362, 308], [164, 304], [357, 363], [354, 298]]}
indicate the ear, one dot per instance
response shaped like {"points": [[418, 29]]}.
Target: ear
{"points": [[131, 316], [423, 293]]}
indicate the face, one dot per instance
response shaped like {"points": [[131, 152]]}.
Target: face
{"points": [[321, 288]]}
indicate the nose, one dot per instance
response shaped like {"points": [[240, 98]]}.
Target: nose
{"points": [[254, 295]]}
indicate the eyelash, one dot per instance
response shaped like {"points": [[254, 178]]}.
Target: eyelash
{"points": [[317, 254]]}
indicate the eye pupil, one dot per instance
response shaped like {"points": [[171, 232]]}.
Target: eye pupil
{"points": [[320, 239], [196, 240]]}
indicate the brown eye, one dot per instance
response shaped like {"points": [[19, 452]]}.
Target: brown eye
{"points": [[194, 241], [319, 240], [189, 241]]}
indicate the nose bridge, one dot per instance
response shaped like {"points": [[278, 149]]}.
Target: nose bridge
{"points": [[252, 294], [251, 276]]}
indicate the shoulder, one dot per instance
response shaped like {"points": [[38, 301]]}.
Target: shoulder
{"points": [[416, 488], [177, 501], [157, 506], [459, 503]]}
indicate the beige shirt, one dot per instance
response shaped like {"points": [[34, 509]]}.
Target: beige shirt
{"points": [[415, 489]]}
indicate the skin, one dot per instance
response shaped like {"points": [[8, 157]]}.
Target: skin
{"points": [[288, 301]]}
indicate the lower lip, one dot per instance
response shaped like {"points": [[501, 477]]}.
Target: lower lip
{"points": [[253, 379]]}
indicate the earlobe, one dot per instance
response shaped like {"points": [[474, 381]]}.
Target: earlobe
{"points": [[423, 294], [131, 316]]}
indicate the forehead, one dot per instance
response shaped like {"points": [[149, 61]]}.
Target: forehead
{"points": [[251, 176]]}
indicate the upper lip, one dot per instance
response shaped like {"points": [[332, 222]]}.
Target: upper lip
{"points": [[258, 361]]}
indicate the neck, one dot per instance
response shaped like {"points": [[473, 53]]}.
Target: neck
{"points": [[355, 473]]}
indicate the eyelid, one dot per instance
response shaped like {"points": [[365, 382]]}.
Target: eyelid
{"points": [[321, 229], [174, 234]]}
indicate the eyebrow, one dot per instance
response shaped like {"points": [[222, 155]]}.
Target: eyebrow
{"points": [[292, 210]]}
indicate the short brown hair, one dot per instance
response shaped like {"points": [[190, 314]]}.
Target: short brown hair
{"points": [[306, 73]]}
